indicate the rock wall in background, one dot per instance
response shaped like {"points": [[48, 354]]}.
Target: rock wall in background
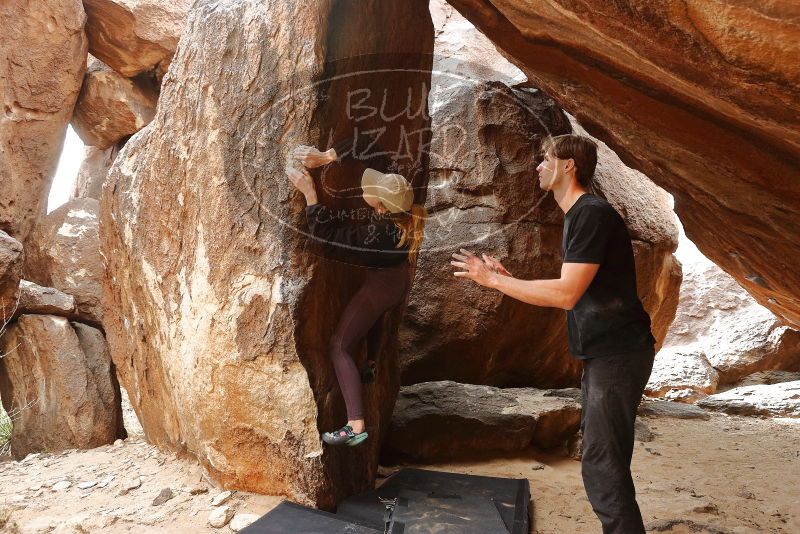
{"points": [[720, 336], [60, 378], [40, 77], [64, 253], [704, 98], [93, 170], [483, 195]]}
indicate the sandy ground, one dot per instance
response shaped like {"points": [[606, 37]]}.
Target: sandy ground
{"points": [[728, 474]]}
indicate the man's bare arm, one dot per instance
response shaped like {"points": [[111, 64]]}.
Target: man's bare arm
{"points": [[563, 292]]}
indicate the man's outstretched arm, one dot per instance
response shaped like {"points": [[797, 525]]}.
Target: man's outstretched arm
{"points": [[563, 292]]}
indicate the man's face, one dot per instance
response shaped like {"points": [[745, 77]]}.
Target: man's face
{"points": [[551, 172]]}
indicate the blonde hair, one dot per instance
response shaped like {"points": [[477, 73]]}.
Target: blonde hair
{"points": [[412, 228]]}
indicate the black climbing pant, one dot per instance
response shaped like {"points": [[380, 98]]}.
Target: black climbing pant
{"points": [[612, 388]]}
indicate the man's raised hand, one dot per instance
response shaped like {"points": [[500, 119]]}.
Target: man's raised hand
{"points": [[495, 265], [473, 267]]}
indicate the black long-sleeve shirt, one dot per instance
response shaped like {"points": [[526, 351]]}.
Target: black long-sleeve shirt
{"points": [[359, 235]]}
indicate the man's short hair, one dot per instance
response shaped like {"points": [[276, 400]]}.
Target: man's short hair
{"points": [[582, 150]]}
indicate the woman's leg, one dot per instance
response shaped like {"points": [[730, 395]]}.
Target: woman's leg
{"points": [[393, 287], [374, 338], [375, 296], [357, 318]]}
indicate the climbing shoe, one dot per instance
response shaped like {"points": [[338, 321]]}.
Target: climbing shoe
{"points": [[344, 436]]}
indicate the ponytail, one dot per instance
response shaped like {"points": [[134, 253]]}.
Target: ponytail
{"points": [[412, 228]]}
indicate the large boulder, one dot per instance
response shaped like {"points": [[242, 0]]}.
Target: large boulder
{"points": [[11, 261], [781, 399], [93, 170], [134, 36], [222, 317], [34, 298], [669, 86], [681, 375], [483, 197], [58, 378], [64, 253], [719, 321], [463, 53], [41, 68], [446, 420], [111, 107]]}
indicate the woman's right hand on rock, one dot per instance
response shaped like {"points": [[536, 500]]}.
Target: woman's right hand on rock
{"points": [[303, 182], [311, 158]]}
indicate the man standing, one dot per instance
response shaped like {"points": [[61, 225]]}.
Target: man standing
{"points": [[607, 325]]}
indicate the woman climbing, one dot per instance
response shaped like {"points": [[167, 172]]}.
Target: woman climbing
{"points": [[385, 238]]}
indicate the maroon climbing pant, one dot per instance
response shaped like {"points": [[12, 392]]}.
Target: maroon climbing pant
{"points": [[382, 290]]}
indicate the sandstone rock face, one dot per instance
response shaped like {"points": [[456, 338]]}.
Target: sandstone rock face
{"points": [[64, 253], [93, 170], [34, 298], [681, 375], [483, 197], [438, 420], [721, 322], [664, 408], [222, 316], [483, 150], [133, 36], [111, 107], [669, 87], [463, 53], [41, 70], [781, 399], [60, 375], [10, 271], [769, 377]]}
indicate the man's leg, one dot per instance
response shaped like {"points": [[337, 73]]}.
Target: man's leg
{"points": [[612, 390]]}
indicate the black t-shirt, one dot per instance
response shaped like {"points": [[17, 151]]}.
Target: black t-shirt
{"points": [[609, 318], [359, 235]]}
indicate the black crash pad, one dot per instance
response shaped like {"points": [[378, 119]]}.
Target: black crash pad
{"points": [[291, 518], [511, 497], [425, 513], [419, 501]]}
